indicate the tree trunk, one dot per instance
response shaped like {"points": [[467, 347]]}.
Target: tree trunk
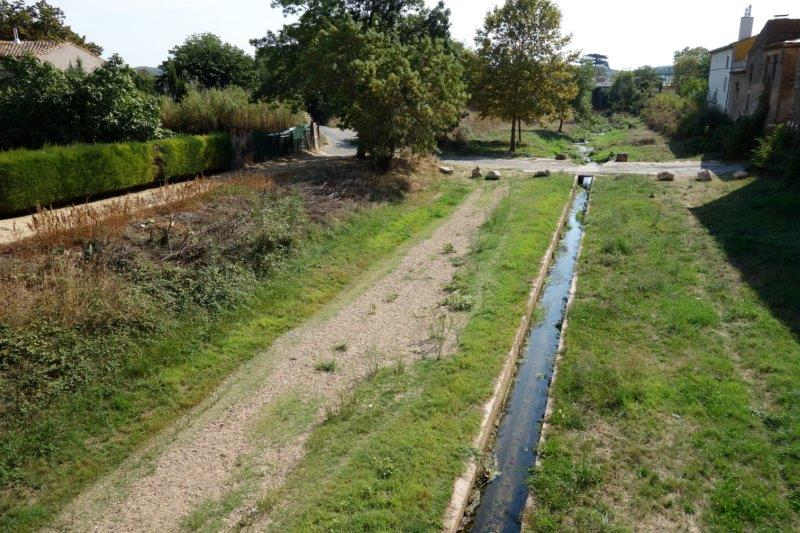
{"points": [[513, 135], [561, 126], [519, 132]]}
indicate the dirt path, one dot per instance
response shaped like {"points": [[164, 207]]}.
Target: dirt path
{"points": [[233, 447]]}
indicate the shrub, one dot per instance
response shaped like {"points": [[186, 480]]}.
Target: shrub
{"points": [[30, 178], [779, 152], [193, 155], [41, 105], [207, 111], [665, 112]]}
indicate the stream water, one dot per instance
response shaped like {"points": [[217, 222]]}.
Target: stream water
{"points": [[503, 499]]}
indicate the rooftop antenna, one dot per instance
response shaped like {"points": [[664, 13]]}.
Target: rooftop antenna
{"points": [[786, 16], [749, 11], [16, 36]]}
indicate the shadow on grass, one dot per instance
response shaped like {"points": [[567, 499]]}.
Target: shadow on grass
{"points": [[759, 228], [535, 143]]}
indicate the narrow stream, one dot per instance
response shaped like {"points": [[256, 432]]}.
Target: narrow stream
{"points": [[503, 499]]}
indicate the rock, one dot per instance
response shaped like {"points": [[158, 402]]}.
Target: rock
{"points": [[666, 176], [493, 176], [446, 170], [704, 175], [622, 158], [542, 174], [561, 157], [476, 174], [741, 175]]}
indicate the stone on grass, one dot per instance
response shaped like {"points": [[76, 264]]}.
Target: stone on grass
{"points": [[561, 157], [476, 174], [741, 175], [704, 175], [666, 176], [542, 174], [493, 176], [446, 170], [622, 158]]}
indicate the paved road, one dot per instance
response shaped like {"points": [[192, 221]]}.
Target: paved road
{"points": [[342, 145]]}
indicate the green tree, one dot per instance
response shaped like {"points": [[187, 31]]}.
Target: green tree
{"points": [[40, 105], [692, 66], [632, 90], [522, 63], [585, 79], [208, 62], [279, 55], [38, 22], [397, 95]]}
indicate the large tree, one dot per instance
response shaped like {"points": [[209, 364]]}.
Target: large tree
{"points": [[207, 61], [523, 61], [632, 90], [691, 72], [38, 22], [279, 54]]}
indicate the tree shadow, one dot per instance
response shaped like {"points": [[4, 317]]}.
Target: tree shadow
{"points": [[758, 226]]}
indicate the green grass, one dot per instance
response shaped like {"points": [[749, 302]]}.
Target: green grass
{"points": [[388, 459], [47, 461], [636, 140], [676, 402]]}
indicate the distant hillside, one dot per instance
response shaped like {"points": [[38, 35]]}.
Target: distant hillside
{"points": [[152, 71]]}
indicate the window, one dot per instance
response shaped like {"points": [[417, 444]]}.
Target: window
{"points": [[727, 61], [725, 85]]}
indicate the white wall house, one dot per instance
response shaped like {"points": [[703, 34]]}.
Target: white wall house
{"points": [[62, 56], [722, 63], [719, 77]]}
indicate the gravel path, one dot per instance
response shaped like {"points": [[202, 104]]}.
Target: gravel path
{"points": [[218, 449]]}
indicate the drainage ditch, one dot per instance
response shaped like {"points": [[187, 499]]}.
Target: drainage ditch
{"points": [[498, 506]]}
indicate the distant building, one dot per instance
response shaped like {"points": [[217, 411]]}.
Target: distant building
{"points": [[62, 55], [764, 68]]}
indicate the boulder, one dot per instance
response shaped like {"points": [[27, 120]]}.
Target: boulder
{"points": [[622, 158], [493, 176], [542, 174], [561, 157], [476, 174], [741, 175], [446, 170], [704, 175], [666, 176]]}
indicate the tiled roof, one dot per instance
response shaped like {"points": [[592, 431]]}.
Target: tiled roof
{"points": [[35, 48]]}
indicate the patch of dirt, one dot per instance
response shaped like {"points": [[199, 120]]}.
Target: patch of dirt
{"points": [[393, 319]]}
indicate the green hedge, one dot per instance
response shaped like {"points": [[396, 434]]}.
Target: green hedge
{"points": [[193, 155], [31, 178]]}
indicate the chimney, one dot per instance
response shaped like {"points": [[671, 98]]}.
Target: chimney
{"points": [[746, 28], [16, 36]]}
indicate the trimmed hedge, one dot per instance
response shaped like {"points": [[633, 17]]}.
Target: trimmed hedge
{"points": [[193, 155], [52, 175], [31, 178]]}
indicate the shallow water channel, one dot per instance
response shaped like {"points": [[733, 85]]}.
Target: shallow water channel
{"points": [[504, 497]]}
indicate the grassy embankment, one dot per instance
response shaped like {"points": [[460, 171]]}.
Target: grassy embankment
{"points": [[608, 137], [387, 461], [105, 341], [676, 406]]}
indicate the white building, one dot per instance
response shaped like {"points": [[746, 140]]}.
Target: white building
{"points": [[722, 62], [63, 55]]}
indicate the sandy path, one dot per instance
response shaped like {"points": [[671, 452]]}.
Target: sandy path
{"points": [[202, 458]]}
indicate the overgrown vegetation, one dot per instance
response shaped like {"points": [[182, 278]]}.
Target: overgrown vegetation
{"points": [[110, 332], [387, 460], [41, 105], [210, 110], [674, 407]]}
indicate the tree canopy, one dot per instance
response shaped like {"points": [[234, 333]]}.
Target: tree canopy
{"points": [[632, 90], [38, 22], [205, 60], [691, 72], [524, 71]]}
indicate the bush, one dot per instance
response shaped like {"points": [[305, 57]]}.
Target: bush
{"points": [[41, 105], [31, 178], [213, 110], [193, 155], [665, 112], [779, 152]]}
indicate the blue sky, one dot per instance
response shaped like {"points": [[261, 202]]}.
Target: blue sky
{"points": [[631, 32]]}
